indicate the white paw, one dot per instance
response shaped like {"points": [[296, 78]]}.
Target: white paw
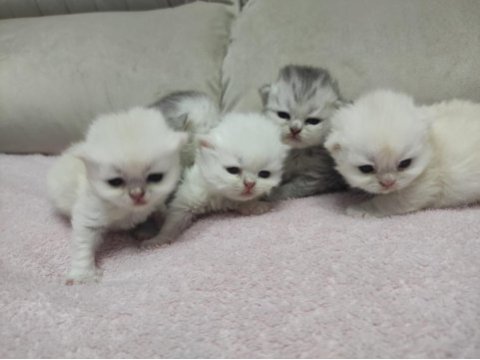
{"points": [[84, 276], [255, 208], [358, 211], [154, 243]]}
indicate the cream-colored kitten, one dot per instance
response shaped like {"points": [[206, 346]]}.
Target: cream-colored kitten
{"points": [[125, 169], [410, 157], [238, 162]]}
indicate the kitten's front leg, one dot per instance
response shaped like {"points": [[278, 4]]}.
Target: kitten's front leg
{"points": [[253, 207], [175, 223], [85, 242], [149, 228], [365, 209], [400, 202]]}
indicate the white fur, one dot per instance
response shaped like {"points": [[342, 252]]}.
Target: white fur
{"points": [[383, 128], [247, 141], [131, 146]]}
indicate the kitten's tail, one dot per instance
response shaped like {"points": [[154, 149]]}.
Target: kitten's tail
{"points": [[191, 111], [64, 181]]}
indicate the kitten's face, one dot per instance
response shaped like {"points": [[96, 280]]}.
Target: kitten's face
{"points": [[380, 144], [136, 185], [242, 158], [133, 158], [302, 108]]}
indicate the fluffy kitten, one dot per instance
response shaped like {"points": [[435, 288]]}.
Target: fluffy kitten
{"points": [[410, 157], [193, 112], [190, 111], [302, 101], [126, 168], [237, 162]]}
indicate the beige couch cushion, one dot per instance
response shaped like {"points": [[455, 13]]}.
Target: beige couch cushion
{"points": [[58, 72], [429, 48]]}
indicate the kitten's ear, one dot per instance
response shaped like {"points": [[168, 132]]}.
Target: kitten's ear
{"points": [[333, 143], [264, 91], [81, 151], [339, 103], [205, 142]]}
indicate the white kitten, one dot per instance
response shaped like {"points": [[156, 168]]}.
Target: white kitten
{"points": [[411, 157], [123, 171], [237, 162]]}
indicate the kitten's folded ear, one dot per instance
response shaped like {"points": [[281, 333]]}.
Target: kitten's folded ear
{"points": [[333, 143], [82, 152], [264, 91], [338, 104], [205, 142]]}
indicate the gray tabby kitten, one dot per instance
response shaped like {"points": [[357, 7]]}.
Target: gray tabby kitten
{"points": [[190, 111], [193, 112], [302, 101]]}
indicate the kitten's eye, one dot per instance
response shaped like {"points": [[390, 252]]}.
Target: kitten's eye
{"points": [[313, 121], [366, 169], [233, 170], [283, 115], [155, 177], [116, 182], [264, 174], [404, 164]]}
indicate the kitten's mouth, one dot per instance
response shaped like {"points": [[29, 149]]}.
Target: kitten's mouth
{"points": [[139, 202], [247, 193], [292, 140], [387, 190]]}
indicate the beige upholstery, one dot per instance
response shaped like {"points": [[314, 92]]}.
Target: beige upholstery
{"points": [[27, 8], [57, 73], [429, 48]]}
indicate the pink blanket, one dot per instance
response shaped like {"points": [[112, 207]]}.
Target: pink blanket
{"points": [[302, 281]]}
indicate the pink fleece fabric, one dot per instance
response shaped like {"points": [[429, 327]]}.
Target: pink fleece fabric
{"points": [[301, 281]]}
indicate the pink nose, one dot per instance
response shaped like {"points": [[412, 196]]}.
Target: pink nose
{"points": [[387, 183], [295, 131], [249, 185], [136, 194]]}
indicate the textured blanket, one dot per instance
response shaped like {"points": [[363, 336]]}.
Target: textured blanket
{"points": [[302, 281]]}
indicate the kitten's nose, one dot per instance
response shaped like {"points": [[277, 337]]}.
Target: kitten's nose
{"points": [[387, 183], [295, 131], [249, 185], [136, 193]]}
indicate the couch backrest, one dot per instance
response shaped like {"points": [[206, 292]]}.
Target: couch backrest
{"points": [[28, 8]]}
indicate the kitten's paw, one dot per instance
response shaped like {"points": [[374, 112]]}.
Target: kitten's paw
{"points": [[154, 243], [76, 277], [360, 211], [255, 208]]}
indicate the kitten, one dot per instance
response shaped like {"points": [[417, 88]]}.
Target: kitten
{"points": [[301, 101], [409, 157], [125, 169], [193, 112], [238, 162], [190, 111]]}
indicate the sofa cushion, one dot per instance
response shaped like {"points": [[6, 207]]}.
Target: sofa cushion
{"points": [[429, 48], [58, 72]]}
